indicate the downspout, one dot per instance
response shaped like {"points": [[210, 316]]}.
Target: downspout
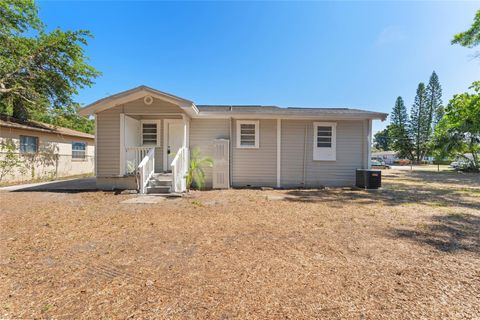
{"points": [[230, 164], [304, 155]]}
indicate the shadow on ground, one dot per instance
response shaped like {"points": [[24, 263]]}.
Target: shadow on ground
{"points": [[394, 195], [466, 179], [67, 186], [447, 233]]}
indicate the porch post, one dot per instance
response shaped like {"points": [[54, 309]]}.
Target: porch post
{"points": [[122, 145], [186, 131]]}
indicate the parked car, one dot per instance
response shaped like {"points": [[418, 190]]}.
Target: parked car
{"points": [[379, 165]]}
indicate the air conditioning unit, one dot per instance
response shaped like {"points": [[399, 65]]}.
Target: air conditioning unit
{"points": [[221, 164]]}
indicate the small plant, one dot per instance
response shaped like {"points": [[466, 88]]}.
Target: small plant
{"points": [[196, 174], [131, 168], [10, 161]]}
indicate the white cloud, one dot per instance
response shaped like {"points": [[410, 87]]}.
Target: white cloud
{"points": [[390, 35]]}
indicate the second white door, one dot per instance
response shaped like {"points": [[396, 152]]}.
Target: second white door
{"points": [[174, 140]]}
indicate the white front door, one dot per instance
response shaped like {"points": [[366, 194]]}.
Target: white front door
{"points": [[174, 139]]}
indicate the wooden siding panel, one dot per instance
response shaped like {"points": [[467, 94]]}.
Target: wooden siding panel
{"points": [[256, 167], [202, 134], [341, 172], [108, 143]]}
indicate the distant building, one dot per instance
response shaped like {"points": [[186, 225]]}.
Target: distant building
{"points": [[43, 151], [388, 157]]}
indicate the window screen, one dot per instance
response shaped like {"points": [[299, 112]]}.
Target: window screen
{"points": [[28, 144], [149, 133], [79, 150], [324, 137], [247, 135]]}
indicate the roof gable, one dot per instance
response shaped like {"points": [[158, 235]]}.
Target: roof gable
{"points": [[135, 94]]}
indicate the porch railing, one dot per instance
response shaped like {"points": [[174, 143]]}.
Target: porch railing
{"points": [[133, 157], [145, 170], [179, 167]]}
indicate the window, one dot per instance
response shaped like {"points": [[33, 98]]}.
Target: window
{"points": [[324, 141], [247, 134], [149, 133], [79, 150], [28, 144]]}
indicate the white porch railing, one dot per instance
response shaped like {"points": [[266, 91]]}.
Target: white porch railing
{"points": [[145, 169], [179, 170], [133, 157]]}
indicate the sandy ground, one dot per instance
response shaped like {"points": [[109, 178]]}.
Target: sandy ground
{"points": [[410, 250]]}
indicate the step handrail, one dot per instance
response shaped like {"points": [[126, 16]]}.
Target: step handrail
{"points": [[145, 169], [179, 167]]}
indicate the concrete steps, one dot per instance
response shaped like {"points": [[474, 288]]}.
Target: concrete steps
{"points": [[160, 183]]}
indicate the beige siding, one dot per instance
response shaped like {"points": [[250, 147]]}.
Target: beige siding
{"points": [[202, 134], [108, 143], [298, 151], [108, 135], [256, 167], [54, 157]]}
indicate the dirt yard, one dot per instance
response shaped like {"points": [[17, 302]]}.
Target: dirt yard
{"points": [[410, 250]]}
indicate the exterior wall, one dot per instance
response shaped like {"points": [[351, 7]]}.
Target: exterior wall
{"points": [[54, 157], [298, 167], [255, 167], [202, 134], [108, 143], [108, 133]]}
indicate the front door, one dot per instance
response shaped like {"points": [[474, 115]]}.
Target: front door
{"points": [[175, 140]]}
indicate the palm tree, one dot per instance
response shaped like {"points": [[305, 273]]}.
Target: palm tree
{"points": [[196, 173]]}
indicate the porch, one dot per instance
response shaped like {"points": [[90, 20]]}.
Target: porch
{"points": [[154, 148]]}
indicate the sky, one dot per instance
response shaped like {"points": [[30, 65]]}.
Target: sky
{"points": [[290, 54]]}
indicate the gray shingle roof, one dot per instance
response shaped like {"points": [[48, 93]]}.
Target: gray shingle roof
{"points": [[206, 109]]}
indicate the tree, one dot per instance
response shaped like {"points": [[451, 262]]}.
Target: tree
{"points": [[419, 122], [38, 69], [398, 130], [433, 112], [66, 117], [381, 140], [471, 37], [458, 132]]}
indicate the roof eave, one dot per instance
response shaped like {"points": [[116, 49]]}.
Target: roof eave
{"points": [[273, 115], [134, 94]]}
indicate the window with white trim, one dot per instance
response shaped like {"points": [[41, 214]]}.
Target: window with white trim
{"points": [[247, 134], [79, 150], [324, 141], [149, 133]]}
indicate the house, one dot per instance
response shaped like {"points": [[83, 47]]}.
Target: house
{"points": [[150, 132], [34, 150], [389, 157]]}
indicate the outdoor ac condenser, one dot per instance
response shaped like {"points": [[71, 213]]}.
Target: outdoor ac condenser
{"points": [[221, 167]]}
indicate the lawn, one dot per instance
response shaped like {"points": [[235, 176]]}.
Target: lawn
{"points": [[410, 250]]}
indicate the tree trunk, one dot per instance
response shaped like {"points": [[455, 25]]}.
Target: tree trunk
{"points": [[19, 110]]}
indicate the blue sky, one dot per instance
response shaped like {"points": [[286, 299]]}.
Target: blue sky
{"points": [[323, 54]]}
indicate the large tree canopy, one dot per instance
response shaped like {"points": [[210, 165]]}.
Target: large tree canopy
{"points": [[458, 133], [39, 70]]}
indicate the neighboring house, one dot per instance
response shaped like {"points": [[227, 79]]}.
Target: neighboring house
{"points": [[43, 151], [389, 157], [259, 145]]}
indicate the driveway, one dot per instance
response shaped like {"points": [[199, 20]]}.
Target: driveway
{"points": [[71, 185]]}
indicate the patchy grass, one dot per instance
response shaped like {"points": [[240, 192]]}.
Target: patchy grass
{"points": [[409, 250]]}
